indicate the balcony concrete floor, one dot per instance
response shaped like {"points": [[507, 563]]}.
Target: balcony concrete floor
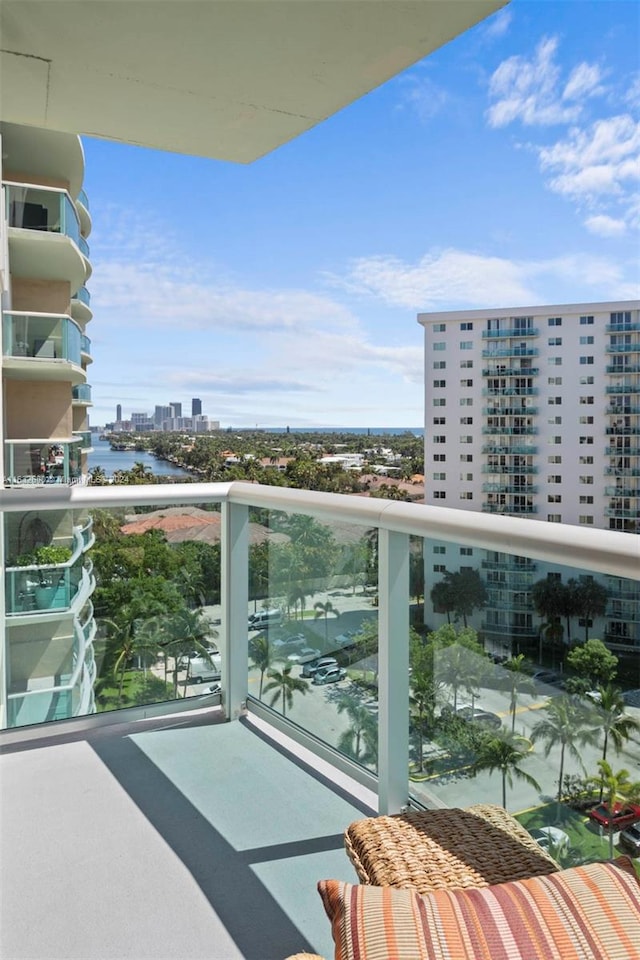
{"points": [[175, 838]]}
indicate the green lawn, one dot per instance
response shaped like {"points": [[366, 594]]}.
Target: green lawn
{"points": [[583, 835]]}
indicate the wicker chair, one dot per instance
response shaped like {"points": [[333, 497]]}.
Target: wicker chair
{"points": [[434, 849]]}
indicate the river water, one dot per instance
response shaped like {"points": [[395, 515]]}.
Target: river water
{"points": [[112, 460]]}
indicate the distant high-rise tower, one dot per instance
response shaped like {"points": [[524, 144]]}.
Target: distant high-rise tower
{"points": [[119, 412], [176, 409], [196, 407]]}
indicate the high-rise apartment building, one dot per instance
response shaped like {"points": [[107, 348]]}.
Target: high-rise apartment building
{"points": [[196, 407], [47, 667], [176, 410], [535, 412], [119, 412]]}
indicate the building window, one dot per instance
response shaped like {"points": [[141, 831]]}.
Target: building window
{"points": [[554, 321], [439, 439], [466, 326], [586, 460], [466, 344], [587, 440], [439, 568], [439, 421], [554, 498], [466, 458], [466, 383], [586, 380], [439, 364], [466, 476], [440, 345], [587, 321], [466, 364], [555, 439], [586, 498], [466, 439], [439, 402], [440, 476], [466, 401], [554, 381], [439, 494], [439, 458], [587, 400], [555, 361], [586, 519], [554, 401], [585, 341], [466, 495], [586, 479], [554, 458], [439, 549], [439, 327], [555, 341], [554, 478], [554, 518], [439, 383], [586, 361], [586, 419], [553, 420], [466, 551], [466, 420]]}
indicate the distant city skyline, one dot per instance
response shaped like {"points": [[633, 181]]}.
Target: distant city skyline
{"points": [[499, 171], [166, 418]]}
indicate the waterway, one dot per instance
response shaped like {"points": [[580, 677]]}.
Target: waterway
{"points": [[112, 460]]}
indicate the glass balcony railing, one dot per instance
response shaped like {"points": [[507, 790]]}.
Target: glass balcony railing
{"points": [[42, 208], [510, 411], [85, 438], [515, 508], [629, 450], [513, 447], [241, 621], [623, 431], [41, 336], [622, 369], [523, 489], [511, 352], [630, 491], [84, 200], [510, 372], [622, 327], [41, 461], [81, 393], [510, 332], [623, 471], [83, 295], [623, 388], [43, 588], [623, 411], [510, 431], [509, 468], [623, 347], [84, 246], [510, 391], [85, 344]]}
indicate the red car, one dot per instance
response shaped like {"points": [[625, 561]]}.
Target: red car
{"points": [[624, 814]]}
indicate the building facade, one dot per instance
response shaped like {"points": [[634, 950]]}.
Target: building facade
{"points": [[48, 668], [535, 412]]}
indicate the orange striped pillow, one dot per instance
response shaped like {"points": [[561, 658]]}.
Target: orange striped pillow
{"points": [[584, 913]]}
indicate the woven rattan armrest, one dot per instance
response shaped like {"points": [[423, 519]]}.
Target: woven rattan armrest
{"points": [[434, 849]]}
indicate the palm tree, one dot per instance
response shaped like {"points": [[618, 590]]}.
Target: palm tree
{"points": [[189, 632], [261, 656], [360, 740], [616, 786], [284, 686], [442, 598], [323, 610], [519, 682], [505, 753], [567, 726], [616, 725]]}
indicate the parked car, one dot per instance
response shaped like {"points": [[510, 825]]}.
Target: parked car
{"points": [[312, 666], [480, 716], [547, 676], [624, 814], [344, 640], [201, 670], [630, 839], [303, 653], [550, 837], [329, 675], [264, 619]]}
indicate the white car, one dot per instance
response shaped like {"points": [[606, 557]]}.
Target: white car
{"points": [[305, 653], [550, 838]]}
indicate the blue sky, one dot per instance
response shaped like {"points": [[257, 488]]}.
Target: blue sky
{"points": [[501, 171]]}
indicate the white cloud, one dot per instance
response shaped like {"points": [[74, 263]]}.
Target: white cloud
{"points": [[584, 81], [529, 90], [498, 25], [605, 226]]}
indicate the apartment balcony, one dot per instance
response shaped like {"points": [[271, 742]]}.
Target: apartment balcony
{"points": [[622, 327], [511, 352], [42, 461], [623, 411], [630, 491], [621, 431], [509, 449], [622, 369], [44, 234], [515, 564], [82, 206], [511, 431], [510, 469], [83, 295], [623, 388], [81, 395], [509, 488], [510, 392], [511, 332], [41, 346], [622, 471], [163, 780], [510, 372], [624, 512], [510, 411], [513, 603], [509, 508], [627, 451], [84, 436], [623, 347], [85, 348], [33, 590]]}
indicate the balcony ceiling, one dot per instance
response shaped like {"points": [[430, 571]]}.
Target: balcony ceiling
{"points": [[217, 79]]}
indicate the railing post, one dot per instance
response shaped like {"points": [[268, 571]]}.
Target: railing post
{"points": [[234, 590], [393, 670]]}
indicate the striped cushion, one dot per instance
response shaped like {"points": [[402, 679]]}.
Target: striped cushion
{"points": [[585, 913]]}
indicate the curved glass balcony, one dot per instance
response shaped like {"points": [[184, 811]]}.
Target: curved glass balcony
{"points": [[41, 461], [84, 246], [41, 337], [42, 208], [85, 438], [81, 393], [85, 344], [42, 589], [84, 200], [83, 295]]}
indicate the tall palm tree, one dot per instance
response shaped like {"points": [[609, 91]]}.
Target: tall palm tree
{"points": [[323, 610], [617, 726], [566, 725], [360, 740], [284, 686], [519, 682], [505, 753], [189, 632], [615, 785], [261, 656]]}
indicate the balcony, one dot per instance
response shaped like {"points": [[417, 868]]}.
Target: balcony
{"points": [[48, 588], [622, 411], [623, 388], [510, 392], [510, 372], [626, 451], [510, 411], [511, 352], [523, 489], [510, 332], [623, 347], [509, 449], [622, 327], [85, 440], [625, 512], [509, 508], [83, 295], [517, 468], [622, 431], [530, 431], [85, 348], [81, 394], [44, 346], [622, 491], [41, 462]]}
